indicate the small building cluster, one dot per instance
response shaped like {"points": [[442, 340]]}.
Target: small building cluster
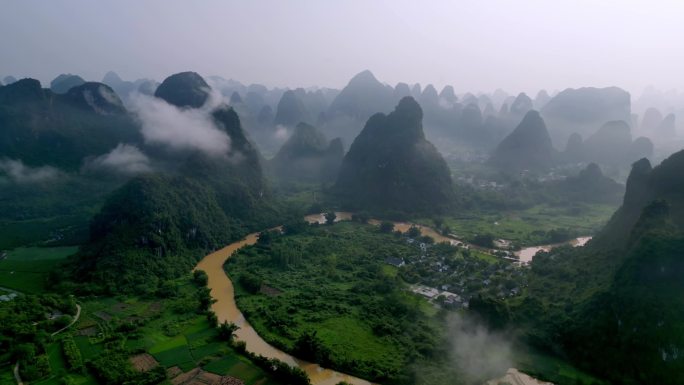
{"points": [[450, 275]]}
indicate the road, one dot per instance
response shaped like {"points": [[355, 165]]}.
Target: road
{"points": [[73, 321]]}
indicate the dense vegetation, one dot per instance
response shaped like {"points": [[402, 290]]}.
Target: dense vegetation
{"points": [[603, 302], [153, 229], [25, 326], [71, 126], [326, 293], [129, 340], [157, 225], [323, 294]]}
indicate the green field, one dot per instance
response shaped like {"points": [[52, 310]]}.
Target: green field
{"points": [[26, 268], [170, 330], [173, 329], [528, 227], [72, 228]]}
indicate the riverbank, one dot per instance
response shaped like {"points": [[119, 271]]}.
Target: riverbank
{"points": [[226, 309], [526, 254]]}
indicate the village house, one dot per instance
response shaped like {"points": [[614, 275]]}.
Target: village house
{"points": [[7, 297], [394, 261]]}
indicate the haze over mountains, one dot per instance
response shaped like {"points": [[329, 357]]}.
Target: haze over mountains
{"points": [[476, 123], [341, 193], [154, 175]]}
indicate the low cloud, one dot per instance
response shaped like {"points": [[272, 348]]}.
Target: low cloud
{"points": [[180, 129], [281, 132], [124, 158], [18, 172], [479, 353]]}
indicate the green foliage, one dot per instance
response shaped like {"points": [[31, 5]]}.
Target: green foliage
{"points": [[295, 225], [536, 225], [72, 354], [330, 217], [25, 323], [386, 227], [484, 240], [309, 347], [362, 217], [250, 282], [621, 293], [63, 135], [413, 232], [111, 368], [226, 331], [38, 367], [200, 278], [28, 269], [204, 298], [152, 230], [336, 306]]}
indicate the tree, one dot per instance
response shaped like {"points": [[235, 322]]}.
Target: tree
{"points": [[295, 226], [438, 222], [446, 230], [413, 231], [427, 239], [250, 282], [264, 238], [484, 240], [25, 352], [205, 299], [226, 331], [386, 227], [361, 217], [169, 289], [309, 346], [200, 277], [330, 217]]}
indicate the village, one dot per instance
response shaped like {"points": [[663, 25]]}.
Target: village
{"points": [[450, 275]]}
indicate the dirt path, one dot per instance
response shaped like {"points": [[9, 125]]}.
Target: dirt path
{"points": [[16, 374], [73, 321]]}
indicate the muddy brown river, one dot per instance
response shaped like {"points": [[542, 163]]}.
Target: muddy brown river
{"points": [[226, 310]]}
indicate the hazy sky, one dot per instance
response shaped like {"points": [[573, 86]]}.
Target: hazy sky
{"points": [[475, 45]]}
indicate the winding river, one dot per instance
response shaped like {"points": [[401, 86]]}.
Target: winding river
{"points": [[526, 254], [226, 309]]}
